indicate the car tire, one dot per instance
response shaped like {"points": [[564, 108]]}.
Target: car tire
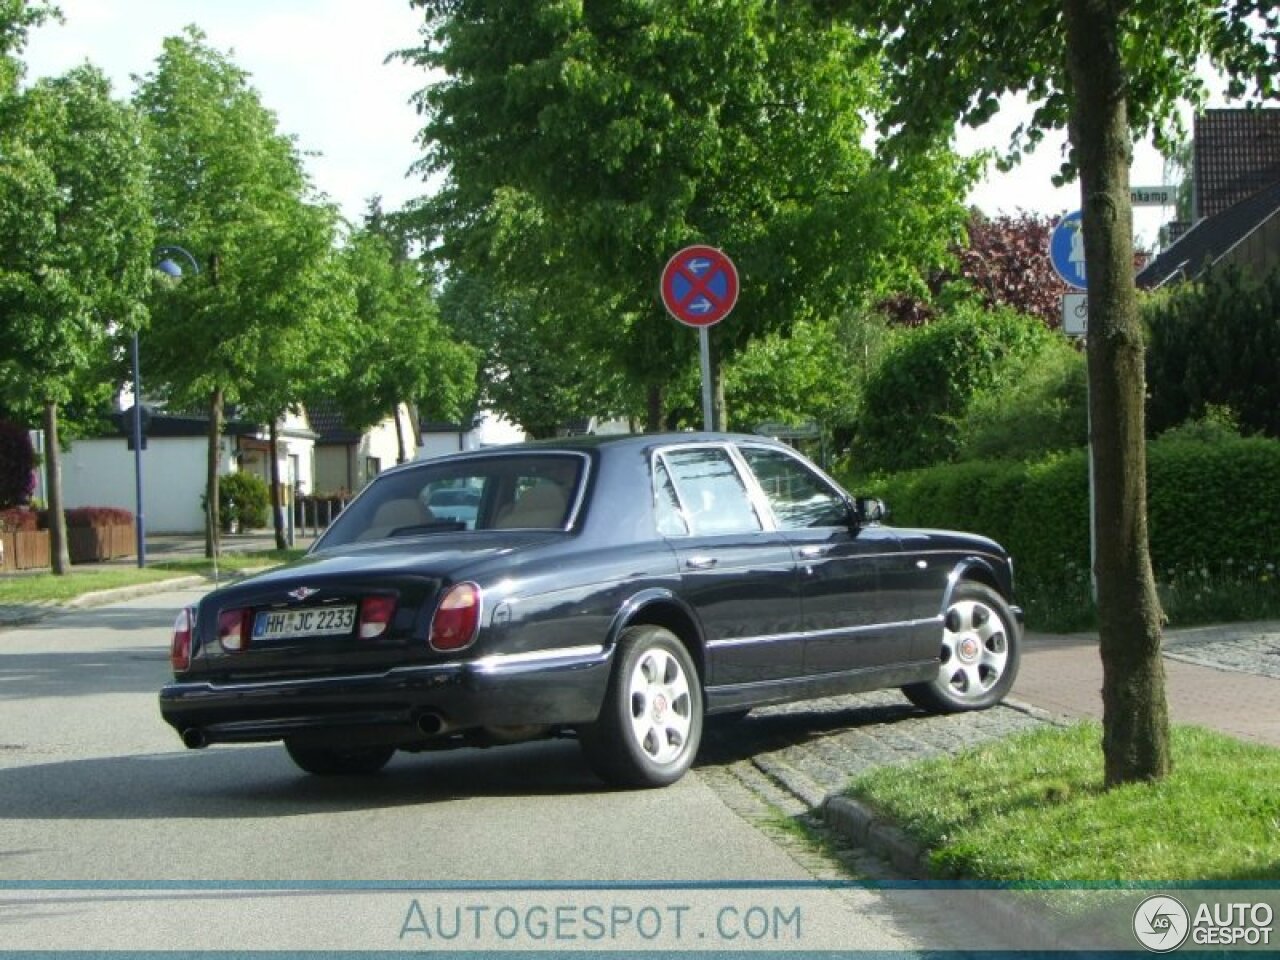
{"points": [[979, 657], [334, 762], [651, 723]]}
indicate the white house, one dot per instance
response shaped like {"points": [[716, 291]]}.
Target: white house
{"points": [[486, 430], [346, 460], [100, 471]]}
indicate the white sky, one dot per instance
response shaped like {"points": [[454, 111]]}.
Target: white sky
{"points": [[319, 64]]}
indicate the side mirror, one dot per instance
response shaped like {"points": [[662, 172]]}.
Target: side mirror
{"points": [[869, 510]]}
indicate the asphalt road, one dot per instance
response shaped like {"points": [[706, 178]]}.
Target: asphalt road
{"points": [[95, 787]]}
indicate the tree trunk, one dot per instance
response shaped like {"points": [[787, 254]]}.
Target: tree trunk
{"points": [[212, 524], [278, 504], [401, 454], [59, 556], [1135, 719], [653, 408], [719, 417]]}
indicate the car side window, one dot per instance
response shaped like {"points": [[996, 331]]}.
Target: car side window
{"points": [[799, 498], [667, 514], [714, 496]]}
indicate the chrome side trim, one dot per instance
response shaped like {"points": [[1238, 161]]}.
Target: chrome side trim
{"points": [[496, 661], [803, 635], [489, 664]]}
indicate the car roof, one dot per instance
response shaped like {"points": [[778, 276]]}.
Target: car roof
{"points": [[588, 442]]}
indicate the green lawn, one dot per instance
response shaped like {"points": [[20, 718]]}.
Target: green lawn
{"points": [[1033, 808], [42, 587]]}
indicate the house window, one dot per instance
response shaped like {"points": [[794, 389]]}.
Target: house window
{"points": [[372, 467]]}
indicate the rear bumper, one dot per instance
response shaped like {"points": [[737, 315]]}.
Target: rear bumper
{"points": [[403, 705]]}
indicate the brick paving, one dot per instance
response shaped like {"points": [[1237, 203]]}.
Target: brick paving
{"points": [[1226, 678]]}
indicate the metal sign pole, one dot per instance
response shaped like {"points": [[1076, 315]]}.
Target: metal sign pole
{"points": [[704, 343]]}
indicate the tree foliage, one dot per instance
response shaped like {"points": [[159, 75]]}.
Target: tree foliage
{"points": [[17, 18], [229, 186], [396, 349], [75, 236], [17, 465], [1089, 66], [628, 130], [1001, 262], [815, 372], [1215, 343]]}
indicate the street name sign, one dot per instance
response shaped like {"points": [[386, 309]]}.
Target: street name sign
{"points": [[1163, 196]]}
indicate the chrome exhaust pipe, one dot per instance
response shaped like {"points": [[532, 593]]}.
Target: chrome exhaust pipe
{"points": [[430, 724], [193, 738]]}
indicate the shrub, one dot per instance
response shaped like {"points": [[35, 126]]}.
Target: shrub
{"points": [[924, 385], [86, 517], [243, 499], [1215, 342], [17, 465], [1211, 506], [17, 519], [1044, 411]]}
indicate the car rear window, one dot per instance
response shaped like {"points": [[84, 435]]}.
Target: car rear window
{"points": [[502, 492]]}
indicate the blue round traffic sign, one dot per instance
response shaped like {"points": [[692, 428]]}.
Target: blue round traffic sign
{"points": [[1066, 250], [699, 286]]}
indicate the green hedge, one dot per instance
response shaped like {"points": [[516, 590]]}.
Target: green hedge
{"points": [[1210, 506]]}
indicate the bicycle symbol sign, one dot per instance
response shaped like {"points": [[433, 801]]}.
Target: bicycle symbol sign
{"points": [[699, 286]]}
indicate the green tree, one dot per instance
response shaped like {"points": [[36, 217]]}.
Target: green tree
{"points": [[630, 129], [17, 17], [293, 346], [397, 348], [1105, 70], [230, 187], [815, 372], [75, 244], [537, 370]]}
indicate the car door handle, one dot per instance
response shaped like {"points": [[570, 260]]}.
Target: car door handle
{"points": [[700, 563], [813, 551]]}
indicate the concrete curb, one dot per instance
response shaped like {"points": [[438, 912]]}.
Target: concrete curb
{"points": [[859, 824], [98, 598], [20, 615]]}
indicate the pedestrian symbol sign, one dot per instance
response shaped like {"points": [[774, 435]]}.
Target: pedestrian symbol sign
{"points": [[1066, 251]]}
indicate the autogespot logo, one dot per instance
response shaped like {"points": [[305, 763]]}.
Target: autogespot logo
{"points": [[1161, 923]]}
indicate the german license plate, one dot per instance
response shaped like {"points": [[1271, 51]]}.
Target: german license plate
{"points": [[313, 622]]}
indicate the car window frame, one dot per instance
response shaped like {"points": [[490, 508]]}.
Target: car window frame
{"points": [[811, 468], [755, 496], [572, 515]]}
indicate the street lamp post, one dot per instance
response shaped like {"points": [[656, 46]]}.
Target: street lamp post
{"points": [[167, 265]]}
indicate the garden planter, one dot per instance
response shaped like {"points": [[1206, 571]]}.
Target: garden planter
{"points": [[95, 544], [24, 550]]}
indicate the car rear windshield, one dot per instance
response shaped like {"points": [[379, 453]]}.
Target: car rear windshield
{"points": [[502, 492]]}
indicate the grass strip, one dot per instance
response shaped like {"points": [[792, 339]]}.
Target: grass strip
{"points": [[1033, 808], [31, 588]]}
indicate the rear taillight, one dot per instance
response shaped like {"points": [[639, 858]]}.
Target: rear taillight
{"points": [[180, 647], [457, 618], [375, 616], [233, 629]]}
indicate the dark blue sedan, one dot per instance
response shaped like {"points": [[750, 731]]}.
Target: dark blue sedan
{"points": [[618, 589]]}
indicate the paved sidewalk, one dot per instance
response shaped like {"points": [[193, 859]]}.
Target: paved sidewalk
{"points": [[1226, 678]]}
